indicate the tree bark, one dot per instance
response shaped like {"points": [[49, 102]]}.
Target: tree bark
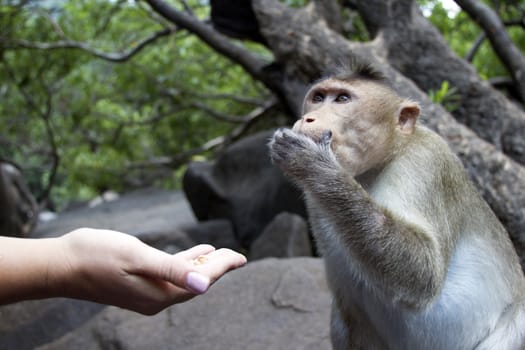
{"points": [[220, 43], [418, 51], [260, 69], [406, 45], [303, 43], [500, 40]]}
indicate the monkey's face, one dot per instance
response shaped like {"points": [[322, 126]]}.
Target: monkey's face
{"points": [[361, 116]]}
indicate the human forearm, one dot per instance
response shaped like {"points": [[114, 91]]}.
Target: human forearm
{"points": [[108, 267], [28, 268]]}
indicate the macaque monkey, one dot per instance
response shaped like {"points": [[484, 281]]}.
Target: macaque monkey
{"points": [[414, 257]]}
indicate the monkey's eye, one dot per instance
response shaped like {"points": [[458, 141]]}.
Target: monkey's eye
{"points": [[342, 98], [317, 98]]}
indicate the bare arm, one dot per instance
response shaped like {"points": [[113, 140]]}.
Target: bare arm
{"points": [[108, 267]]}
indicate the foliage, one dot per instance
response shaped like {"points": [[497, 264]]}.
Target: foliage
{"points": [[446, 96], [105, 115], [107, 121], [461, 33], [295, 3]]}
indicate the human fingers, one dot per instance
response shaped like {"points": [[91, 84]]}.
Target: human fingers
{"points": [[182, 269], [210, 267], [176, 269], [194, 252], [218, 262]]}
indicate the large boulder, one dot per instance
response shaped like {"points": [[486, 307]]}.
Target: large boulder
{"points": [[139, 213], [286, 236], [243, 186], [269, 304], [218, 233], [25, 325]]}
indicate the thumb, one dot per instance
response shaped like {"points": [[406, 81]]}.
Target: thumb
{"points": [[176, 269], [196, 282]]}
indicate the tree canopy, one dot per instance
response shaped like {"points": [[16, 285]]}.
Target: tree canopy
{"points": [[102, 95], [119, 94]]}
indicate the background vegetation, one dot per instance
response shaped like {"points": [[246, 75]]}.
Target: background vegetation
{"points": [[98, 95]]}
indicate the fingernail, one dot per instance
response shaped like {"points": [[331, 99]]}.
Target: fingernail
{"points": [[197, 282]]}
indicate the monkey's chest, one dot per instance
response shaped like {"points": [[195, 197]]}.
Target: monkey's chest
{"points": [[469, 305]]}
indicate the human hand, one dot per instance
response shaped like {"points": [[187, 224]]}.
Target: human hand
{"points": [[115, 268]]}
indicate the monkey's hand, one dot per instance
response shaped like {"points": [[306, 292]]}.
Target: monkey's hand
{"points": [[300, 157]]}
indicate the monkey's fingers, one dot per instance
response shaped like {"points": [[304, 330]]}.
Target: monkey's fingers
{"points": [[326, 137]]}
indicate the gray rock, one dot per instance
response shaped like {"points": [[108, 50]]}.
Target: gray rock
{"points": [[28, 324], [170, 241], [242, 186], [270, 304], [218, 233], [286, 236], [140, 212], [19, 211]]}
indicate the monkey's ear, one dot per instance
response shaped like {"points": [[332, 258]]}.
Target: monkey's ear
{"points": [[407, 117]]}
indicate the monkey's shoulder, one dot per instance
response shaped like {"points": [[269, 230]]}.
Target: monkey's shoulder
{"points": [[427, 146]]}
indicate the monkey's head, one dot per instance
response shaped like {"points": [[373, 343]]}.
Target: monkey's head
{"points": [[366, 118]]}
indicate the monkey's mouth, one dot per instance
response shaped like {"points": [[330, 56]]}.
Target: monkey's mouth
{"points": [[323, 137], [318, 136]]}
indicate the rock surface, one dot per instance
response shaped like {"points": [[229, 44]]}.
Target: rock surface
{"points": [[285, 236], [242, 186], [158, 217], [140, 212], [269, 304], [28, 324]]}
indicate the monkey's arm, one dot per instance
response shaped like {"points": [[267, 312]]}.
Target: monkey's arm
{"points": [[393, 252]]}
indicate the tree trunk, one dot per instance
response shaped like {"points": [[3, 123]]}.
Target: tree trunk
{"points": [[304, 45], [500, 40], [417, 50], [406, 46]]}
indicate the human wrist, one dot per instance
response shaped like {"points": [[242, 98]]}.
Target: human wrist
{"points": [[29, 269], [57, 268]]}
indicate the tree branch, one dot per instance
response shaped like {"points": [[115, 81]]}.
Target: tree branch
{"points": [[315, 46], [500, 82], [113, 57], [236, 133], [479, 40], [45, 115], [500, 40], [483, 109], [469, 57], [175, 94], [515, 23], [221, 116], [220, 43]]}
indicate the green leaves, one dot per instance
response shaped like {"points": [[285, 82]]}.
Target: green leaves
{"points": [[461, 34], [107, 116], [447, 96]]}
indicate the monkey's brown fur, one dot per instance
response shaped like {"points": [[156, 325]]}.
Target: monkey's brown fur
{"points": [[414, 257]]}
